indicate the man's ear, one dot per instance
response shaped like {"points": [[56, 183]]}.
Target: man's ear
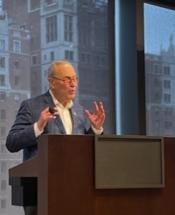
{"points": [[51, 83]]}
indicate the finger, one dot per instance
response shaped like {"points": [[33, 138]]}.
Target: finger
{"points": [[52, 110], [101, 107], [96, 106], [45, 109], [88, 114], [46, 115], [91, 117]]}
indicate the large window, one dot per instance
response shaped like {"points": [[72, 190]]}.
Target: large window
{"points": [[36, 33], [159, 40]]}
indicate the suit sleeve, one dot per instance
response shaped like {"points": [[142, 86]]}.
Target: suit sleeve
{"points": [[22, 133]]}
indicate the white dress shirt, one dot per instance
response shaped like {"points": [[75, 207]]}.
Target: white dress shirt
{"points": [[64, 113]]}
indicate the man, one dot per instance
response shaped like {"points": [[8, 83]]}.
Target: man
{"points": [[56, 112]]}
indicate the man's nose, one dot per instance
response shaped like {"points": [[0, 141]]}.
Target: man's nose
{"points": [[73, 84]]}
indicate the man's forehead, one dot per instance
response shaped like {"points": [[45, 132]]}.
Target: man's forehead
{"points": [[64, 70]]}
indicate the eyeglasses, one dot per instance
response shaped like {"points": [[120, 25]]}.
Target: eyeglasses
{"points": [[68, 80]]}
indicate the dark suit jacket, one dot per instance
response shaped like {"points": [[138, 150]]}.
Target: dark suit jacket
{"points": [[22, 136]]}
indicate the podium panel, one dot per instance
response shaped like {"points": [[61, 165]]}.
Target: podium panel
{"points": [[129, 162], [65, 171]]}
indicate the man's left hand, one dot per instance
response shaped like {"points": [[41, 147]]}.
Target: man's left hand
{"points": [[97, 117]]}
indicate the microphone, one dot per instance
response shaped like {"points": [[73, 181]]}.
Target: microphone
{"points": [[52, 110]]}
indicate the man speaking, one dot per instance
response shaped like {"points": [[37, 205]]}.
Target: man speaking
{"points": [[56, 112]]}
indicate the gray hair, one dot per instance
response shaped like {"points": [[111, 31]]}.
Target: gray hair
{"points": [[51, 69]]}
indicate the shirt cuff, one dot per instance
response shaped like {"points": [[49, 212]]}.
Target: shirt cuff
{"points": [[97, 131], [37, 131]]}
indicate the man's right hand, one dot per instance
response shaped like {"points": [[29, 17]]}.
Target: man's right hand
{"points": [[45, 116]]}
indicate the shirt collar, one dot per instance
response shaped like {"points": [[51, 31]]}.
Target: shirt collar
{"points": [[57, 103]]}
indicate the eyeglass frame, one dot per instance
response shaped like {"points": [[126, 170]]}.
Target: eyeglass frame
{"points": [[67, 79]]}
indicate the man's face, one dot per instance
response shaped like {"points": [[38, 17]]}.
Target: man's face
{"points": [[64, 83]]}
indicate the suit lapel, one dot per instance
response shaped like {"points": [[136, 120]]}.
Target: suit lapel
{"points": [[74, 116], [48, 99], [59, 124], [54, 126]]}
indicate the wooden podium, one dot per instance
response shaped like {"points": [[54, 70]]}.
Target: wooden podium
{"points": [[63, 173]]}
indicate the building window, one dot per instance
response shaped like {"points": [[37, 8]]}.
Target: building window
{"points": [[2, 96], [68, 4], [157, 111], [3, 185], [51, 29], [34, 59], [2, 80], [52, 55], [166, 70], [3, 169], [16, 64], [85, 58], [157, 97], [69, 55], [45, 73], [17, 46], [68, 28], [167, 84], [2, 45], [157, 82], [2, 62], [168, 112], [157, 69], [3, 148], [33, 5], [3, 131], [16, 80], [3, 203], [168, 124], [157, 124], [45, 57], [167, 98], [2, 114]]}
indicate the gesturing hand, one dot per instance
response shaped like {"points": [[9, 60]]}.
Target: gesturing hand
{"points": [[45, 116], [98, 117]]}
